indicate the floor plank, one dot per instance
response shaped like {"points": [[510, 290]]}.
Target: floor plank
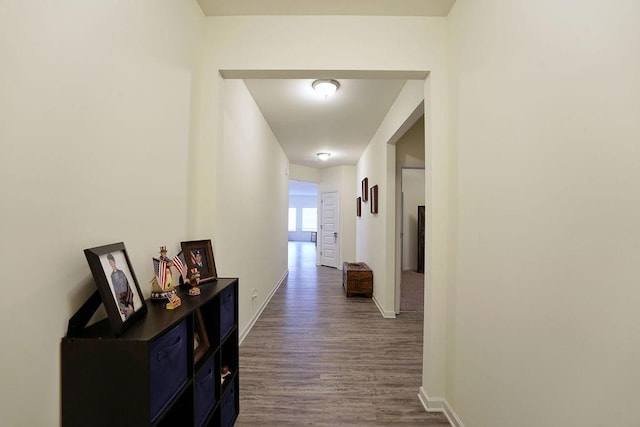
{"points": [[317, 358]]}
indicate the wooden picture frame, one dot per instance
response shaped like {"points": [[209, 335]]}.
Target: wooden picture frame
{"points": [[199, 254], [365, 189], [374, 199], [358, 206], [117, 285], [200, 337]]}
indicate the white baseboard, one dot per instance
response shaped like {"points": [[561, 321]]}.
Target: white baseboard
{"points": [[439, 404], [386, 314], [258, 313]]}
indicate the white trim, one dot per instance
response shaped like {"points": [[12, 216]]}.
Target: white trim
{"points": [[256, 316], [439, 404], [386, 314]]}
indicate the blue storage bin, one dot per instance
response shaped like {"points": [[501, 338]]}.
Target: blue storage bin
{"points": [[203, 391], [227, 310], [228, 406], [167, 367]]}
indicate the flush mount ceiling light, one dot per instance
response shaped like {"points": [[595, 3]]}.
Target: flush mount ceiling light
{"points": [[323, 156], [325, 87]]}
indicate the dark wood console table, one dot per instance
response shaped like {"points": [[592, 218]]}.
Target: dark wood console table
{"points": [[150, 375]]}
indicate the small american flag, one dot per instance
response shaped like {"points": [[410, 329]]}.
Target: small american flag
{"points": [[160, 269], [180, 264]]}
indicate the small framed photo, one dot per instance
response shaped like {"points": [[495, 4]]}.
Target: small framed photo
{"points": [[117, 285], [365, 189], [199, 254], [358, 206], [374, 199], [200, 337]]}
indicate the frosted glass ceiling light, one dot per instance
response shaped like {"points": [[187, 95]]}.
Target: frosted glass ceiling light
{"points": [[325, 87], [323, 156]]}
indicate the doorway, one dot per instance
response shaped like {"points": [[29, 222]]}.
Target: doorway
{"points": [[303, 211], [412, 258]]}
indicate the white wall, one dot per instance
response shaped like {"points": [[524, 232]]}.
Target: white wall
{"points": [[544, 319], [252, 202], [95, 111]]}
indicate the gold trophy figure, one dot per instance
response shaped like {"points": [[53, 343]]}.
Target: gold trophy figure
{"points": [[194, 280], [162, 284]]}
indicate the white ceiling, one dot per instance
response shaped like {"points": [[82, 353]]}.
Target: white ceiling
{"points": [[327, 7], [306, 123]]}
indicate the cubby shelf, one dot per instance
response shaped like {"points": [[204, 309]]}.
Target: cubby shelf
{"points": [[147, 375]]}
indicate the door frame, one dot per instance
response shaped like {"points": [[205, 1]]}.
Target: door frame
{"points": [[400, 230]]}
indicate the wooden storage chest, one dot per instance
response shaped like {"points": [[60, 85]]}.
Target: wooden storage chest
{"points": [[357, 278]]}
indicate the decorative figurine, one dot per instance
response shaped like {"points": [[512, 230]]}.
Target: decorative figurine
{"points": [[194, 280], [162, 286]]}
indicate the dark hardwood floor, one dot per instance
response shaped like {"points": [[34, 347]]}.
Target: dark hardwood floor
{"points": [[317, 358]]}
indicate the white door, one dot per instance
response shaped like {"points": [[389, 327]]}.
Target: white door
{"points": [[329, 229]]}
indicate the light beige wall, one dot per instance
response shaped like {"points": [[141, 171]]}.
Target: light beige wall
{"points": [[252, 204], [304, 173], [544, 319], [341, 179], [410, 147], [94, 128], [327, 42]]}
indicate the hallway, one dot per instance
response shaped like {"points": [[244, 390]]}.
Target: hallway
{"points": [[317, 358]]}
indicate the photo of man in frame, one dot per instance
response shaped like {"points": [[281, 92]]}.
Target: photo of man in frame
{"points": [[198, 255], [199, 261], [116, 270]]}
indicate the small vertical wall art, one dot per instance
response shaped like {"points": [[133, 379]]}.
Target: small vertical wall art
{"points": [[374, 199], [365, 189], [358, 206]]}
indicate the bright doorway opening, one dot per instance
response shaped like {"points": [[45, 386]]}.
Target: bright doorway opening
{"points": [[303, 211]]}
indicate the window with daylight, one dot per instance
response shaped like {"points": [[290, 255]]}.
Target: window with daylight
{"points": [[292, 219], [309, 219]]}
